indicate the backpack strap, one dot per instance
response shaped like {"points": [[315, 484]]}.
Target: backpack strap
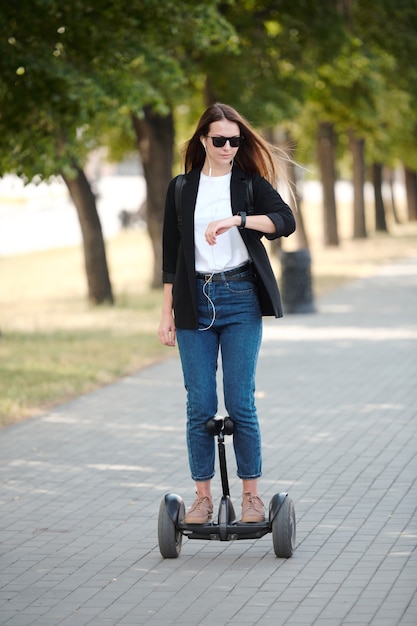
{"points": [[179, 183], [249, 185]]}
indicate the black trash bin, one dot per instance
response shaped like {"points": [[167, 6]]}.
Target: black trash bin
{"points": [[296, 282]]}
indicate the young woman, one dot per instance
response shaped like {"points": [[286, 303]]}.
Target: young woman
{"points": [[218, 283]]}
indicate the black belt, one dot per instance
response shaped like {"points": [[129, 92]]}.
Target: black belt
{"points": [[228, 275]]}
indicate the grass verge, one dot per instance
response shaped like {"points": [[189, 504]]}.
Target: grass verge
{"points": [[39, 369]]}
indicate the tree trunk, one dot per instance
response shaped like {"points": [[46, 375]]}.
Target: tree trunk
{"points": [[99, 286], [300, 233], [380, 221], [326, 157], [389, 177], [285, 142], [155, 139], [410, 177], [297, 280], [210, 96], [357, 146]]}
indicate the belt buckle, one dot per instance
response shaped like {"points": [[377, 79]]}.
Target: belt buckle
{"points": [[208, 278]]}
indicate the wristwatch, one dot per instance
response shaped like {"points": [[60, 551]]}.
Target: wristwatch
{"points": [[243, 219]]}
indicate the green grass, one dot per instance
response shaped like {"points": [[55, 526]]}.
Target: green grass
{"points": [[38, 369], [54, 346]]}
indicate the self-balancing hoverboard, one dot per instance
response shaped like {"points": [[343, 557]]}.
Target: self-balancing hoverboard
{"points": [[172, 528]]}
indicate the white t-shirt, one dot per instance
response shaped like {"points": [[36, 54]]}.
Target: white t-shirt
{"points": [[213, 203]]}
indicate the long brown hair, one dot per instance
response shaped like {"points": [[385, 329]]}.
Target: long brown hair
{"points": [[255, 155]]}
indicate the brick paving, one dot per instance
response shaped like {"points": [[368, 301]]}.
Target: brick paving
{"points": [[337, 399]]}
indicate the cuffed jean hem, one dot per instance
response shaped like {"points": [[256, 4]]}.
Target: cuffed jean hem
{"points": [[255, 477], [197, 479]]}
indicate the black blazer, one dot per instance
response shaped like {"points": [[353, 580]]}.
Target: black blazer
{"points": [[178, 263]]}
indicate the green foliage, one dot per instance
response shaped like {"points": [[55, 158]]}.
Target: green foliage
{"points": [[281, 43], [391, 27], [368, 82], [69, 71]]}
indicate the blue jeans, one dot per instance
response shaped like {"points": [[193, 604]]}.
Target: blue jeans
{"points": [[237, 332]]}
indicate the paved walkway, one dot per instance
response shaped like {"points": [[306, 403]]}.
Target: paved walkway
{"points": [[337, 398]]}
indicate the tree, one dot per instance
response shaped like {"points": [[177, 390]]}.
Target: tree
{"points": [[63, 83], [410, 178], [377, 176], [99, 287], [390, 31], [365, 91], [50, 97], [357, 145], [327, 163]]}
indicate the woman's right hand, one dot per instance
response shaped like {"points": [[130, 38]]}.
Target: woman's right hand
{"points": [[166, 330]]}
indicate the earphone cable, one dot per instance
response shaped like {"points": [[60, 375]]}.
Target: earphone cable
{"points": [[211, 303]]}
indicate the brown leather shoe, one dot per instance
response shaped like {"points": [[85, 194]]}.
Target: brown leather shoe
{"points": [[253, 509], [201, 511]]}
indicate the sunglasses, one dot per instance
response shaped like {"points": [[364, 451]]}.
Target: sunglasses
{"points": [[219, 142]]}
